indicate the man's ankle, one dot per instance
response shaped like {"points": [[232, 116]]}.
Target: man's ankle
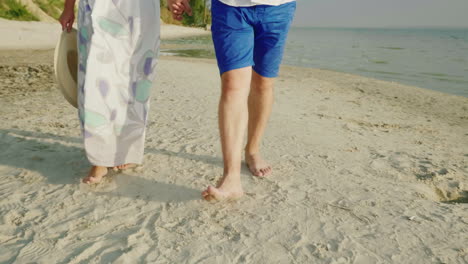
{"points": [[231, 173], [251, 152]]}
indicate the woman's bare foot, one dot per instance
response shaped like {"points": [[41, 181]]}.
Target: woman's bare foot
{"points": [[229, 188], [125, 166], [95, 174], [257, 165]]}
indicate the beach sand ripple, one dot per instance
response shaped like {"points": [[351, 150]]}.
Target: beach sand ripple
{"points": [[366, 171]]}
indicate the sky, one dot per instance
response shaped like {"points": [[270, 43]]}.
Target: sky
{"points": [[382, 13]]}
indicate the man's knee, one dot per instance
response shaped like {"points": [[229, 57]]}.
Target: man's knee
{"points": [[262, 84], [236, 80]]}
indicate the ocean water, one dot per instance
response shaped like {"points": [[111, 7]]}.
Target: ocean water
{"points": [[435, 59]]}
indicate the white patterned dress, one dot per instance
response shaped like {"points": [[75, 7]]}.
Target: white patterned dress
{"points": [[118, 47]]}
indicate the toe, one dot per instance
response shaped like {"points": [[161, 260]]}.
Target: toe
{"points": [[122, 166], [206, 195], [253, 170], [214, 193], [258, 173], [211, 190], [266, 171], [206, 192], [87, 180], [90, 179]]}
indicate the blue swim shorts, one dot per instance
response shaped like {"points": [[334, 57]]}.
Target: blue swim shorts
{"points": [[250, 36]]}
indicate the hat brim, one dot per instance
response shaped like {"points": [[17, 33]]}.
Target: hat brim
{"points": [[66, 66]]}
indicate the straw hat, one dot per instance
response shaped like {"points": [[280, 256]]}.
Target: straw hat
{"points": [[66, 66]]}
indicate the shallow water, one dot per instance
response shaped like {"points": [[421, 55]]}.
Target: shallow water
{"points": [[436, 59]]}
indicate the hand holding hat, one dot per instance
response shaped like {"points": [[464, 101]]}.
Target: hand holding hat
{"points": [[66, 65]]}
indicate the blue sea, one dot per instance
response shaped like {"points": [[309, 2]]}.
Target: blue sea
{"points": [[435, 59]]}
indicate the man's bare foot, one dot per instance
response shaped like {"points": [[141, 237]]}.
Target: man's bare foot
{"points": [[125, 166], [95, 174], [257, 165], [227, 189]]}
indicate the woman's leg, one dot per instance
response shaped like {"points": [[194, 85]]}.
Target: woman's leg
{"points": [[116, 80]]}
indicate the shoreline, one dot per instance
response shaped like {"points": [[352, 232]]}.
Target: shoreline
{"points": [[42, 36], [25, 57]]}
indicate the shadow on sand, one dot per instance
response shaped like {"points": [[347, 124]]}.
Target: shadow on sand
{"points": [[62, 162]]}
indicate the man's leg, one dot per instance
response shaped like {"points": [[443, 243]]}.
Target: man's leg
{"points": [[270, 38], [233, 115], [260, 103]]}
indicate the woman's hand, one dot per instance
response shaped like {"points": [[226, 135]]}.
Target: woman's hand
{"points": [[178, 8], [67, 18]]}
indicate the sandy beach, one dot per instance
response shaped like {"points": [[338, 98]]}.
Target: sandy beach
{"points": [[365, 171], [42, 35]]}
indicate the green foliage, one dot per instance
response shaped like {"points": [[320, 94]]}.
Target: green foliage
{"points": [[11, 9], [201, 14], [166, 15], [51, 7]]}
